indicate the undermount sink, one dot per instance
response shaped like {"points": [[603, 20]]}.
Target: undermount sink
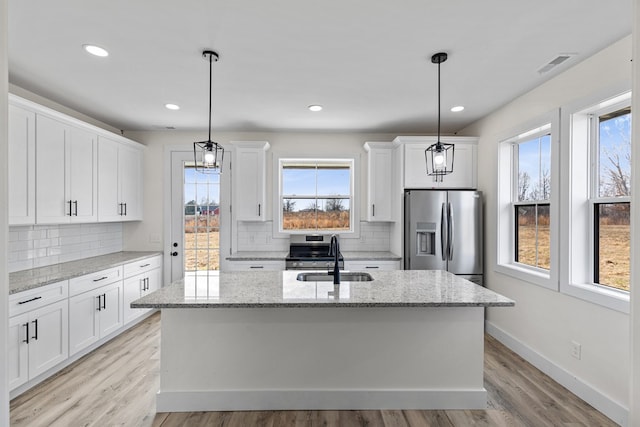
{"points": [[326, 277]]}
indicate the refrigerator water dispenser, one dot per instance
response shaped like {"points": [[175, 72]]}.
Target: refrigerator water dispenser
{"points": [[426, 238]]}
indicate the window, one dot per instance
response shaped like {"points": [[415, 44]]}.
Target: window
{"points": [[316, 195], [596, 210], [532, 159], [527, 217], [611, 192]]}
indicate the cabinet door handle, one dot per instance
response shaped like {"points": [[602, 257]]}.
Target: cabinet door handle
{"points": [[29, 300], [257, 266], [102, 278], [104, 301], [372, 266], [35, 336], [75, 208], [70, 203], [99, 302], [147, 279], [145, 265], [120, 209], [125, 209], [26, 325], [373, 208], [259, 209]]}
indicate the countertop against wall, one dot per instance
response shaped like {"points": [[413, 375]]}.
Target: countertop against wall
{"points": [[280, 256], [33, 278]]}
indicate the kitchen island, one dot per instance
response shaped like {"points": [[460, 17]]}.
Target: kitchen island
{"points": [[264, 340]]}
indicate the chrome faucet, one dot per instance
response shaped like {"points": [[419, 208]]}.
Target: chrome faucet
{"points": [[334, 251]]}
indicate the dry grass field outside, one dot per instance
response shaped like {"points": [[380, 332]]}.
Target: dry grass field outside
{"points": [[310, 220], [201, 242], [615, 244]]}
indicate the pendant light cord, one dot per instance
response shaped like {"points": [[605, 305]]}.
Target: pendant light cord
{"points": [[211, 89], [438, 102]]}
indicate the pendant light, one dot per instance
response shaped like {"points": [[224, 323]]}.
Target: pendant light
{"points": [[439, 156], [208, 155]]}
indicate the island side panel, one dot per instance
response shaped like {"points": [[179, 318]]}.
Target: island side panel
{"points": [[322, 358]]}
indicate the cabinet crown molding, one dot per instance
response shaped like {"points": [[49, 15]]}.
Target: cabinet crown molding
{"points": [[430, 139], [56, 115]]}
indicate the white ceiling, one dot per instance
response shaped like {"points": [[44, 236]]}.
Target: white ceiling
{"points": [[366, 61]]}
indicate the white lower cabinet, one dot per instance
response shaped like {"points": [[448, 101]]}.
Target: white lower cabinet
{"points": [[364, 265], [138, 286], [38, 341], [94, 315]]}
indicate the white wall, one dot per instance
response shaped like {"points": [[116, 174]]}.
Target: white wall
{"points": [[544, 322], [137, 235], [4, 278]]}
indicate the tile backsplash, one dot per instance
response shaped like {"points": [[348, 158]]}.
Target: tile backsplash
{"points": [[258, 236], [41, 245]]}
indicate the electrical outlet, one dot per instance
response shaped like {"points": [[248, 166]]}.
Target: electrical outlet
{"points": [[576, 349]]}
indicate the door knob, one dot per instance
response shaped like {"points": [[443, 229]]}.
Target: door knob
{"points": [[175, 244], [174, 253]]}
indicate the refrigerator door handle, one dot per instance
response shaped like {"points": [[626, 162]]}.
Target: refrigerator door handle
{"points": [[444, 245], [451, 231]]}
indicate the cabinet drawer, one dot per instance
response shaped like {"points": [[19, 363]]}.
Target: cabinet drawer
{"points": [[142, 266], [91, 281], [35, 298], [363, 265]]}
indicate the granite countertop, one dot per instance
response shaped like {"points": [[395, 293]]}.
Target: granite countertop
{"points": [[281, 255], [398, 288], [33, 278]]}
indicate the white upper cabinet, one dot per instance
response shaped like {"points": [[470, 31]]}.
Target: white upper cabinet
{"points": [[119, 181], [66, 178], [249, 190], [380, 181], [464, 173], [22, 166], [60, 173]]}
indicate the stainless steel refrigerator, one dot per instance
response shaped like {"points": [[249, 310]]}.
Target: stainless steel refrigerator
{"points": [[443, 231]]}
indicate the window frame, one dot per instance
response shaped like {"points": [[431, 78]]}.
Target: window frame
{"points": [[579, 184], [507, 201], [280, 162]]}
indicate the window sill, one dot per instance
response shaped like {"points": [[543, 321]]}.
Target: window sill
{"points": [[609, 298], [535, 276]]}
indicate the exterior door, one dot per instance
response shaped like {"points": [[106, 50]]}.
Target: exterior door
{"points": [[198, 215]]}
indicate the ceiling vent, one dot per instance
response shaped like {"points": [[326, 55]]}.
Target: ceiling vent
{"points": [[555, 62]]}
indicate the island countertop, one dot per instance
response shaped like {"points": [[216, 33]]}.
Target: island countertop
{"points": [[399, 288]]}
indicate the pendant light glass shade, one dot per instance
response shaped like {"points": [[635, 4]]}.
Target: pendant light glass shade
{"points": [[439, 156], [208, 155]]}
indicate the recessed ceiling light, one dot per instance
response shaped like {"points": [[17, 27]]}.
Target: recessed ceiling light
{"points": [[315, 107], [172, 106], [457, 108], [95, 50]]}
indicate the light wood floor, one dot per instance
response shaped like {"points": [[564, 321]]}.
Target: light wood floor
{"points": [[116, 385]]}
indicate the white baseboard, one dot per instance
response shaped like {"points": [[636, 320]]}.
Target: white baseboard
{"points": [[612, 409], [242, 400]]}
